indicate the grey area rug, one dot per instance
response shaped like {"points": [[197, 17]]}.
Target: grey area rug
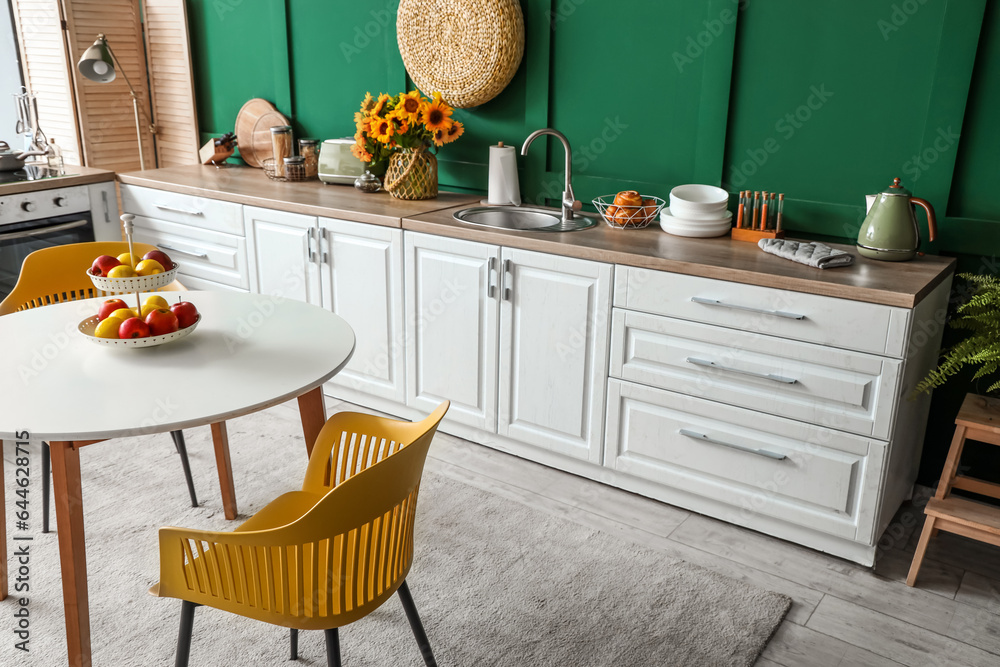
{"points": [[496, 582]]}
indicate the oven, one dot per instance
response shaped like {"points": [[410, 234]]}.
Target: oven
{"points": [[31, 221]]}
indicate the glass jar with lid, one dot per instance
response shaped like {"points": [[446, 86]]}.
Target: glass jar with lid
{"points": [[309, 149], [281, 147], [295, 168]]}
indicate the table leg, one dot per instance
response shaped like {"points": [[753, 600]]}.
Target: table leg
{"points": [[220, 438], [312, 411], [3, 531], [72, 549]]}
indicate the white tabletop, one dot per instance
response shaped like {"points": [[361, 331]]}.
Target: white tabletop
{"points": [[249, 352]]}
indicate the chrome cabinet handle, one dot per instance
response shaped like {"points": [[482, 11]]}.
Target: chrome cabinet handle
{"points": [[185, 211], [107, 208], [491, 269], [506, 288], [759, 452], [766, 376], [309, 244], [324, 256], [10, 236], [164, 246], [761, 311]]}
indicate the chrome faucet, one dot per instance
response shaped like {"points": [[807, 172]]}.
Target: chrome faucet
{"points": [[569, 203]]}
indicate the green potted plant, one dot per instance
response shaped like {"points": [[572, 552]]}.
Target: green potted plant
{"points": [[980, 315]]}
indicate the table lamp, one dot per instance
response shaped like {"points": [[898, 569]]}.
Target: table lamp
{"points": [[98, 63]]}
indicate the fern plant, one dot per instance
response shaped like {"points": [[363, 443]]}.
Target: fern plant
{"points": [[981, 316]]}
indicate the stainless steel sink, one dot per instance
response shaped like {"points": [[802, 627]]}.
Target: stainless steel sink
{"points": [[524, 219]]}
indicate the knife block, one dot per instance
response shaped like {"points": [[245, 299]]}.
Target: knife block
{"points": [[754, 235]]}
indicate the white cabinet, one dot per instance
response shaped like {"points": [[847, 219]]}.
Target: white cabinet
{"points": [[361, 269], [517, 340], [553, 351], [283, 255], [452, 309]]}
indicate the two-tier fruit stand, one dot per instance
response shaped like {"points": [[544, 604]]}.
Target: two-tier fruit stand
{"points": [[136, 285]]}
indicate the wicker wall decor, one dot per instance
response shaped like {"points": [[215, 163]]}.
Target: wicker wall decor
{"points": [[468, 50]]}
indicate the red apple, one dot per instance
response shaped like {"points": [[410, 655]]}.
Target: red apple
{"points": [[108, 307], [160, 257], [103, 264], [133, 327], [161, 321], [186, 313]]}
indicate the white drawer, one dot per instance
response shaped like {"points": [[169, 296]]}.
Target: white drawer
{"points": [[848, 391], [827, 480], [220, 258], [200, 212], [853, 325]]}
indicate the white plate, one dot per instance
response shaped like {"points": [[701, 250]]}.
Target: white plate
{"points": [[725, 218], [134, 284], [694, 228], [682, 211], [88, 326], [699, 196]]}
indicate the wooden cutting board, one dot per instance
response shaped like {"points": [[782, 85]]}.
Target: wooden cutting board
{"points": [[253, 130]]}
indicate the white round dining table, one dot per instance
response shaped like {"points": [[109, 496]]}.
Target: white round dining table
{"points": [[248, 352]]}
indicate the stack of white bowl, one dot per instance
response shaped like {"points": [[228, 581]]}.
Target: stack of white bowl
{"points": [[697, 210]]}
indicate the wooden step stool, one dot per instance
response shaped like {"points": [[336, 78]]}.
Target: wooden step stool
{"points": [[979, 419]]}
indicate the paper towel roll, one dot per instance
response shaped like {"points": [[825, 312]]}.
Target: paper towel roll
{"points": [[504, 188]]}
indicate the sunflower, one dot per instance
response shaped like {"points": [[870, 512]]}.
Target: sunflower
{"points": [[409, 106], [382, 129], [454, 132], [379, 107], [360, 153], [436, 114], [367, 103], [437, 136], [400, 125]]}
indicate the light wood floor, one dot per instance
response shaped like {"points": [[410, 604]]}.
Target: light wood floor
{"points": [[842, 614]]}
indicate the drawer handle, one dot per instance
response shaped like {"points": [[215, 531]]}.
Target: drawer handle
{"points": [[766, 376], [759, 452], [776, 313], [491, 268], [164, 246], [186, 211]]}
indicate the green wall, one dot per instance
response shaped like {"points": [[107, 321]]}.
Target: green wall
{"points": [[823, 101]]}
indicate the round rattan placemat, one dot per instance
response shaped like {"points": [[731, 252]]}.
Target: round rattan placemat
{"points": [[468, 50]]}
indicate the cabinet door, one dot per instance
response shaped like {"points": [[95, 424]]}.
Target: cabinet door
{"points": [[283, 254], [451, 327], [554, 321], [362, 281]]}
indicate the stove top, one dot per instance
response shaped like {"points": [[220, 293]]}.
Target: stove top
{"points": [[30, 172]]}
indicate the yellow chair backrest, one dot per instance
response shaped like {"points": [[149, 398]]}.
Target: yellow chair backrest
{"points": [[58, 274], [337, 562]]}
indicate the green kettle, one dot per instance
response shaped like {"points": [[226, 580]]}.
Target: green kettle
{"points": [[890, 231]]}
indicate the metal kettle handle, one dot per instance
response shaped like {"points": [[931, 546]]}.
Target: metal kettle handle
{"points": [[931, 220]]}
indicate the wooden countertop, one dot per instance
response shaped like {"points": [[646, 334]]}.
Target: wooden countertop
{"points": [[246, 185], [75, 176], [902, 284]]}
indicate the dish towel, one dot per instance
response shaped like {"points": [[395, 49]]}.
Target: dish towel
{"points": [[814, 254]]}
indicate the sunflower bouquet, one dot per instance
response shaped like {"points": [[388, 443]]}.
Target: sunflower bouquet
{"points": [[408, 120]]}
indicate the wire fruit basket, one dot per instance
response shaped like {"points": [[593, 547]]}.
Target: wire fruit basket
{"points": [[629, 217]]}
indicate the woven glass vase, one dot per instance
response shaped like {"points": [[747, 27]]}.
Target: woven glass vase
{"points": [[412, 174]]}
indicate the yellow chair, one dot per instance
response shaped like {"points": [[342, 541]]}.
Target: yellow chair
{"points": [[319, 558], [57, 274]]}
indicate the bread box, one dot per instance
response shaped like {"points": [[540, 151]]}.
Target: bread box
{"points": [[337, 164]]}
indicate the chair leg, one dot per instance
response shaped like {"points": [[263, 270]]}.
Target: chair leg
{"points": [[46, 485], [184, 634], [918, 555], [332, 647], [178, 437], [293, 640], [415, 624]]}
